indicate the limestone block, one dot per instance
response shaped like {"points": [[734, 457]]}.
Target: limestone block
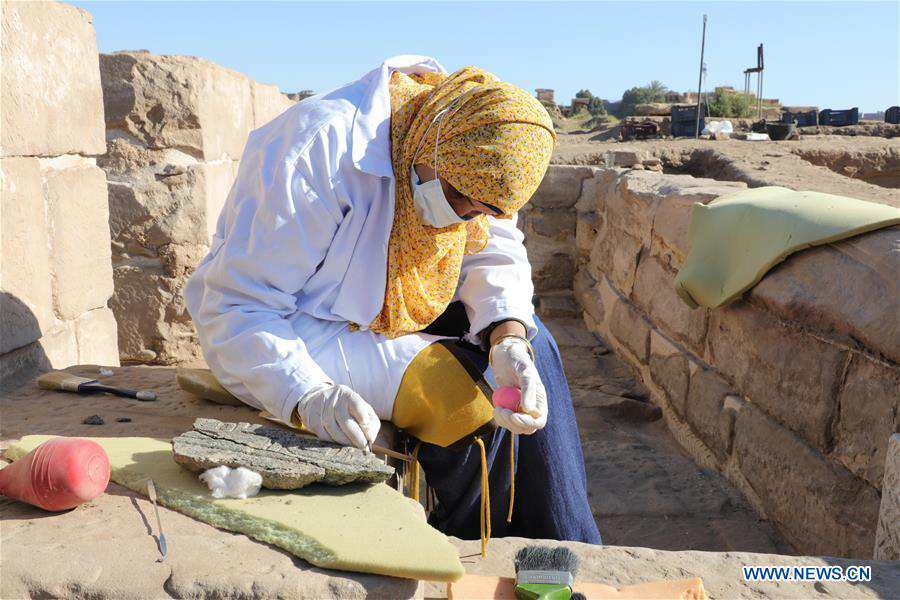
{"points": [[95, 331], [56, 349], [654, 292], [588, 296], [585, 235], [630, 328], [180, 102], [626, 158], [673, 217], [80, 244], [157, 197], [670, 370], [285, 459], [218, 178], [625, 222], [615, 254], [848, 290], [705, 411], [21, 365], [268, 102], [50, 96], [556, 224], [552, 263], [26, 301], [561, 186], [153, 323], [788, 374], [869, 404], [821, 508], [634, 202], [60, 346], [887, 536]]}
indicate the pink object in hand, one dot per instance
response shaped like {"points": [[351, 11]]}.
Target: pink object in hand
{"points": [[507, 397], [57, 475]]}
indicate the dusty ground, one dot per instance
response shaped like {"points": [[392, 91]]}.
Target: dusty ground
{"points": [[861, 167]]}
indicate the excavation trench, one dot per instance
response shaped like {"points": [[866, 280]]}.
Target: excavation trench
{"points": [[769, 425]]}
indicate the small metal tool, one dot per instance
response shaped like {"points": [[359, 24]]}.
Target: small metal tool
{"points": [[163, 549]]}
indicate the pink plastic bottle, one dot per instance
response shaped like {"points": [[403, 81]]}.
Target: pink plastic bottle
{"points": [[57, 475], [507, 397]]}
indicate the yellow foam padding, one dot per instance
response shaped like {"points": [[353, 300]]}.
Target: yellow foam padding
{"points": [[371, 529], [201, 382], [737, 238], [440, 401]]}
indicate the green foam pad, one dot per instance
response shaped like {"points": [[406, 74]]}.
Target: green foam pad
{"points": [[735, 239], [366, 528]]}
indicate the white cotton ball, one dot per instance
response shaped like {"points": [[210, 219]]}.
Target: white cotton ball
{"points": [[243, 483], [215, 480], [225, 482]]}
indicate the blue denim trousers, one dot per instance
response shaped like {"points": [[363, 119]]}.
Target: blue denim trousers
{"points": [[550, 484]]}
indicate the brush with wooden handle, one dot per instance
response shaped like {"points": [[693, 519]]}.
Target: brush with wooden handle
{"points": [[66, 382]]}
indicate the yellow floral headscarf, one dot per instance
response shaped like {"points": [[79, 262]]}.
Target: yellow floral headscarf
{"points": [[495, 145]]}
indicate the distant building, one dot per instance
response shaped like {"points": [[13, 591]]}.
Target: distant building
{"points": [[875, 116], [545, 95], [579, 102]]}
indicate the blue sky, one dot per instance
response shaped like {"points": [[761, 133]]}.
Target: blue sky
{"points": [[831, 54]]}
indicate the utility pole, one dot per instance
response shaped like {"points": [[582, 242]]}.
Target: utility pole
{"points": [[700, 82], [760, 64]]}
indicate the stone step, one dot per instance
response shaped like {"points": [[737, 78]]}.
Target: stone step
{"points": [[557, 305]]}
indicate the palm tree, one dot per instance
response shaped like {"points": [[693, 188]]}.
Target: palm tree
{"points": [[657, 91]]}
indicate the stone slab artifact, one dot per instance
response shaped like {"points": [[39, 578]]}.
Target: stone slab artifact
{"points": [[364, 528], [285, 459]]}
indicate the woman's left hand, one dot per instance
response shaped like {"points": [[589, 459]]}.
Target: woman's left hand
{"points": [[513, 365]]}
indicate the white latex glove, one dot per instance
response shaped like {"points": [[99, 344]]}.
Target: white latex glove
{"points": [[513, 366], [338, 414]]}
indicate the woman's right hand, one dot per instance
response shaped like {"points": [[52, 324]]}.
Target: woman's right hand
{"points": [[338, 414]]}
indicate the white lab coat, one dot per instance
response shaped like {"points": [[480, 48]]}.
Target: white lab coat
{"points": [[300, 252]]}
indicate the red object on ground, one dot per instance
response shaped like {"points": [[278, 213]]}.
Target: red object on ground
{"points": [[507, 397], [57, 475]]}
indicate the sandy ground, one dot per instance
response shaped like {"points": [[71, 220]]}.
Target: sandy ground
{"points": [[862, 167]]}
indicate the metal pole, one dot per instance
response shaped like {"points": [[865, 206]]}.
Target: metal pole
{"points": [[759, 95], [700, 82]]}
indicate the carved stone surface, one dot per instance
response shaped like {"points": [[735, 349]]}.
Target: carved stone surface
{"points": [[285, 459]]}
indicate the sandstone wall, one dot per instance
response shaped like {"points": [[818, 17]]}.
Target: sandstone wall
{"points": [[792, 392], [55, 277], [175, 130]]}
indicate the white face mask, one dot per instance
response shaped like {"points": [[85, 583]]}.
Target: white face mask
{"points": [[430, 203], [428, 198]]}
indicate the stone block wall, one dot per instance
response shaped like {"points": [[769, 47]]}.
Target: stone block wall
{"points": [[55, 270], [887, 538], [175, 130], [792, 392]]}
